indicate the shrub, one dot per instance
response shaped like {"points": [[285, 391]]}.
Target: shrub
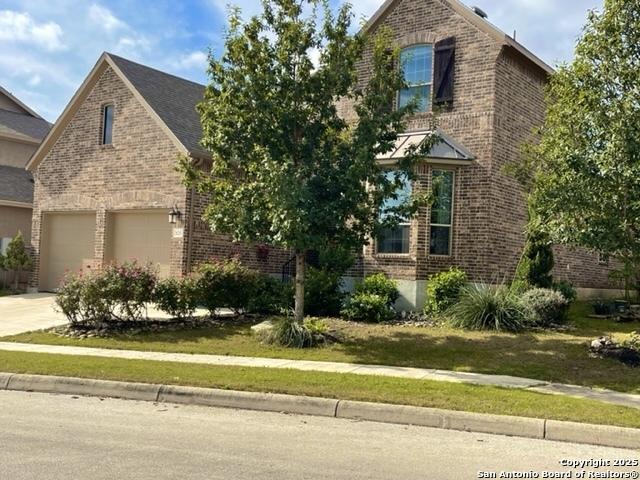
{"points": [[16, 258], [483, 307], [130, 286], [323, 295], [567, 290], [537, 261], [335, 259], [227, 284], [286, 332], [544, 307], [368, 307], [178, 298], [379, 284], [117, 292], [271, 296], [443, 290]]}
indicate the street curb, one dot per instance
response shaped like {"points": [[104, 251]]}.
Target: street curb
{"points": [[601, 435]]}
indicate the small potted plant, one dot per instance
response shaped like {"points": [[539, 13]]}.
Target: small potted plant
{"points": [[603, 307]]}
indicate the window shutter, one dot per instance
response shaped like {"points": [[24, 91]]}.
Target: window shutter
{"points": [[444, 66]]}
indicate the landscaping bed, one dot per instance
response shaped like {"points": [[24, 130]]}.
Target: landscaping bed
{"points": [[550, 355]]}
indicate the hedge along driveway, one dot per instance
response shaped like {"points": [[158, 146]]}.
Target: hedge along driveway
{"points": [[549, 356]]}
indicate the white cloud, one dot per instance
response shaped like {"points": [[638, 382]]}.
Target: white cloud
{"points": [[21, 27], [193, 60], [102, 17]]}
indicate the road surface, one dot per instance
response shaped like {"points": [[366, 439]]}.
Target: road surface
{"points": [[65, 437]]}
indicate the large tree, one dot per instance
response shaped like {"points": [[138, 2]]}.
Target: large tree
{"points": [[585, 172], [286, 168]]}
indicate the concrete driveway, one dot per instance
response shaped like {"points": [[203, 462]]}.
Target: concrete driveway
{"points": [[24, 313]]}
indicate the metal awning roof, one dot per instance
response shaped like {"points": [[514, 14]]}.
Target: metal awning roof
{"points": [[446, 149]]}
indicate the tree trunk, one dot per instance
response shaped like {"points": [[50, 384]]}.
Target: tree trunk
{"points": [[299, 302]]}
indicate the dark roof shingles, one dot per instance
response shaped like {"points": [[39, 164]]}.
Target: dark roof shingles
{"points": [[23, 124], [16, 184], [174, 99]]}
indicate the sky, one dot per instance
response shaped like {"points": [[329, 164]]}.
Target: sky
{"points": [[47, 47]]}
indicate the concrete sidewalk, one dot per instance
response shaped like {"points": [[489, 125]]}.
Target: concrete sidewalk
{"points": [[608, 396]]}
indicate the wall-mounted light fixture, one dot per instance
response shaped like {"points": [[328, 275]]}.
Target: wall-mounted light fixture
{"points": [[174, 215]]}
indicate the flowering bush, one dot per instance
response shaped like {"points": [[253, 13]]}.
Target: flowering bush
{"points": [[116, 292], [177, 297]]}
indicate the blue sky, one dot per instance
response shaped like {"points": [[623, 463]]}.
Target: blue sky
{"points": [[47, 47]]}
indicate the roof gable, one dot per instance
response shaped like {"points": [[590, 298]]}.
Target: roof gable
{"points": [[171, 101], [8, 99], [474, 19], [172, 98]]}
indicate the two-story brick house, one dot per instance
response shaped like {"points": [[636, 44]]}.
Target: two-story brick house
{"points": [[106, 187]]}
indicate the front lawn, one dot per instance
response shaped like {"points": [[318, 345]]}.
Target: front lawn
{"points": [[550, 356], [425, 393]]}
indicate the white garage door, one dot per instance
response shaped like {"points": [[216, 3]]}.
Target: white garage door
{"points": [[144, 236], [66, 245]]}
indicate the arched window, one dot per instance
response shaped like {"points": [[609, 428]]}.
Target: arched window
{"points": [[417, 64]]}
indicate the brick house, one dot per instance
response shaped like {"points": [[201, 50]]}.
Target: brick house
{"points": [[105, 179], [106, 185], [21, 130]]}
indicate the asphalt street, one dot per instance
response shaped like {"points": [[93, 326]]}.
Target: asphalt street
{"points": [[52, 437]]}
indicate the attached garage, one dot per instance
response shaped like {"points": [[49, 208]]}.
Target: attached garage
{"points": [[67, 245], [142, 235]]}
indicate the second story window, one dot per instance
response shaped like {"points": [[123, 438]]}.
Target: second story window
{"points": [[107, 124], [417, 66]]}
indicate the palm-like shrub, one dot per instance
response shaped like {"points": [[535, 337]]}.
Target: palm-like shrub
{"points": [[486, 307], [286, 332]]}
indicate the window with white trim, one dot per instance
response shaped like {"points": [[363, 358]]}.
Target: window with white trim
{"points": [[441, 223], [417, 65], [395, 240]]}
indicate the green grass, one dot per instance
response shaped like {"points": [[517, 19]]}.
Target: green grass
{"points": [[452, 396], [549, 356]]}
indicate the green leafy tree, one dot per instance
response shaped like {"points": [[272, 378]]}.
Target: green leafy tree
{"points": [[286, 168], [585, 170], [17, 258]]}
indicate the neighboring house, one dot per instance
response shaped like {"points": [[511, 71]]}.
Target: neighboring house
{"points": [[106, 188], [21, 130]]}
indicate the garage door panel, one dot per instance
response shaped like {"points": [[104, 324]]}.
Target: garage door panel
{"points": [[143, 236], [67, 245]]}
